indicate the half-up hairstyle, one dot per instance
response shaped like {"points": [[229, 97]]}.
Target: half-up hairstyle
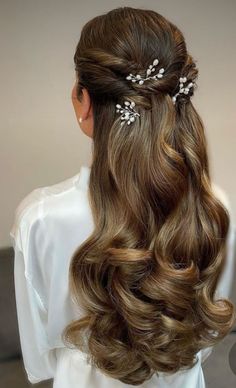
{"points": [[147, 275]]}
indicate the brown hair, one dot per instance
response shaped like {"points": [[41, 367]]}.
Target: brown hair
{"points": [[147, 275]]}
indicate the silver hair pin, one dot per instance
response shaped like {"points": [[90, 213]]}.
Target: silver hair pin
{"points": [[128, 112], [138, 78], [183, 89]]}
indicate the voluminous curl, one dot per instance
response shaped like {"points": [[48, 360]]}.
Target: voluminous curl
{"points": [[147, 275]]}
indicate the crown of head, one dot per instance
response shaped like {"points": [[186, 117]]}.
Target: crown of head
{"points": [[128, 112]]}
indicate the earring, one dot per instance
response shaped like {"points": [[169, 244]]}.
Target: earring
{"points": [[80, 119]]}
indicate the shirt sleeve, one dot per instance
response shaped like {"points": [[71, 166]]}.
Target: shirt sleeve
{"points": [[27, 240], [225, 284]]}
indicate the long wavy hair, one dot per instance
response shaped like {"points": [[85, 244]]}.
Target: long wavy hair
{"points": [[147, 275]]}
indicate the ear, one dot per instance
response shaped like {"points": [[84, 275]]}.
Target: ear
{"points": [[76, 103], [86, 105], [83, 110]]}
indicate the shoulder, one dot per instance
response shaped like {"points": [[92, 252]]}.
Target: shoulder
{"points": [[221, 195], [42, 201], [27, 209]]}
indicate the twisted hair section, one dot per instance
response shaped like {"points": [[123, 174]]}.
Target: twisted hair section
{"points": [[147, 275]]}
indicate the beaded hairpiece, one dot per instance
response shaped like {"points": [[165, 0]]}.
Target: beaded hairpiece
{"points": [[137, 77], [183, 89], [128, 112]]}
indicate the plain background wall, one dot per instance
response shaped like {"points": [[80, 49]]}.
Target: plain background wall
{"points": [[41, 143]]}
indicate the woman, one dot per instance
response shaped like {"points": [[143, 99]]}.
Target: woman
{"points": [[121, 271]]}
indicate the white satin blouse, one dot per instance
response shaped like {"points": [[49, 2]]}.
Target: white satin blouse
{"points": [[49, 224]]}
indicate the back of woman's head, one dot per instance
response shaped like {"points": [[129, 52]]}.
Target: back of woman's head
{"points": [[147, 275]]}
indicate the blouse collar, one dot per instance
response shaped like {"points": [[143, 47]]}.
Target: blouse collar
{"points": [[83, 177]]}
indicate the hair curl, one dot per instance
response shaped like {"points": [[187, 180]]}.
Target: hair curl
{"points": [[147, 275]]}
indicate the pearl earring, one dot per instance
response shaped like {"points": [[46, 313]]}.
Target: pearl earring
{"points": [[80, 119]]}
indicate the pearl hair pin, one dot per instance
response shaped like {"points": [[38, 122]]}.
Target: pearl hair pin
{"points": [[183, 89], [128, 112], [141, 80]]}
